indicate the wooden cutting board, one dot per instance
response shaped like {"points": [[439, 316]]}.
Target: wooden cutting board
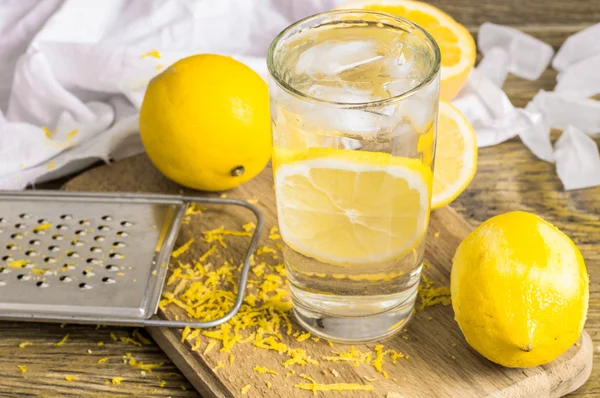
{"points": [[441, 363]]}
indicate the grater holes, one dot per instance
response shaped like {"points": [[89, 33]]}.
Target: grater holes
{"points": [[112, 268], [116, 256], [68, 267], [57, 237], [73, 254], [84, 286], [103, 228], [96, 249], [85, 222], [25, 216], [99, 238], [42, 284], [2, 283], [94, 261], [122, 234], [42, 221], [50, 260], [54, 248], [126, 223], [118, 244], [80, 232], [31, 253], [62, 227], [35, 242], [4, 270], [11, 246], [65, 279], [3, 220], [23, 277], [16, 236], [20, 226], [66, 217], [107, 218], [77, 243], [108, 280], [88, 273], [7, 258]]}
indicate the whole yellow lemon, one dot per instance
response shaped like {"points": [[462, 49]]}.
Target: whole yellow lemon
{"points": [[205, 122], [519, 290]]}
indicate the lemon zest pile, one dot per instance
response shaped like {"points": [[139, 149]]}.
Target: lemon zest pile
{"points": [[62, 341], [116, 380], [264, 369], [315, 387], [249, 227], [182, 249], [303, 336], [274, 234], [216, 235], [148, 367], [431, 295]]}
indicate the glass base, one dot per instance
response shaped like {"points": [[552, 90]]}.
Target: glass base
{"points": [[356, 325]]}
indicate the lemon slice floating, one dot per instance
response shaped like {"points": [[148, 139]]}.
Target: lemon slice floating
{"points": [[455, 156], [351, 207], [456, 43]]}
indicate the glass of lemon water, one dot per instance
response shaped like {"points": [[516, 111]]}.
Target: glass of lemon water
{"points": [[354, 101]]}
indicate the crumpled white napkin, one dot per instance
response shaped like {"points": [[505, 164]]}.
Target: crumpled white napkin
{"points": [[75, 71]]}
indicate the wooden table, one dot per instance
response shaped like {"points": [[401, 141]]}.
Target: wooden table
{"points": [[509, 178]]}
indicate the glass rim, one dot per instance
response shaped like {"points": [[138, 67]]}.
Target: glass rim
{"points": [[352, 105]]}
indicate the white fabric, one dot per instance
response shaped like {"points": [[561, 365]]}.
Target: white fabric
{"points": [[76, 68]]}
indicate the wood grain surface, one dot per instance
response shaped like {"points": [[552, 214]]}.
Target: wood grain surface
{"points": [[509, 178]]}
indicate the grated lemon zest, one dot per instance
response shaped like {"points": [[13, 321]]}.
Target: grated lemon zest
{"points": [[186, 332], [303, 336], [116, 380], [140, 337], [274, 234], [249, 227], [431, 295], [220, 365], [42, 227], [182, 249], [246, 388], [71, 378], [151, 54], [113, 337], [129, 340], [62, 341], [315, 387], [209, 347], [25, 344], [22, 368], [264, 369], [102, 360]]}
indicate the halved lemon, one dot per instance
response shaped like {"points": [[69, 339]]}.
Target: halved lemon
{"points": [[455, 155], [351, 207], [456, 43]]}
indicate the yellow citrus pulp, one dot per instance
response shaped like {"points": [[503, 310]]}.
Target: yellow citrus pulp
{"points": [[455, 155], [456, 43], [519, 290], [205, 122], [350, 207]]}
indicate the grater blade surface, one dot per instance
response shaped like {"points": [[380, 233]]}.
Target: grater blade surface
{"points": [[83, 256]]}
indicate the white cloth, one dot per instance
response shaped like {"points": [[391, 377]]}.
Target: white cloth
{"points": [[73, 73]]}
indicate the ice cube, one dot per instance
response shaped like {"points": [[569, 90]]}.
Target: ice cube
{"points": [[528, 56], [535, 134], [563, 109], [577, 47], [495, 65], [344, 94], [577, 159], [472, 107], [581, 79], [494, 99], [333, 57]]}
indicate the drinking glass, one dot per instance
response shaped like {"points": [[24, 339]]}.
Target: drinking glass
{"points": [[354, 102]]}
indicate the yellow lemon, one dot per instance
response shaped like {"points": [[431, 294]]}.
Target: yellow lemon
{"points": [[351, 207], [456, 43], [205, 122], [519, 290]]}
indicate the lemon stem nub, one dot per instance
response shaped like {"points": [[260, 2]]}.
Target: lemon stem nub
{"points": [[238, 171]]}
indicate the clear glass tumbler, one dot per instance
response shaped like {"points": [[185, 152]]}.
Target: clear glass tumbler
{"points": [[354, 101]]}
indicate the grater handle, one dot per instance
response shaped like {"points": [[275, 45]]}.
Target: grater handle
{"points": [[153, 322]]}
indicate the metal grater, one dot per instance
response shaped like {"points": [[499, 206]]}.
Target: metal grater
{"points": [[94, 258]]}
